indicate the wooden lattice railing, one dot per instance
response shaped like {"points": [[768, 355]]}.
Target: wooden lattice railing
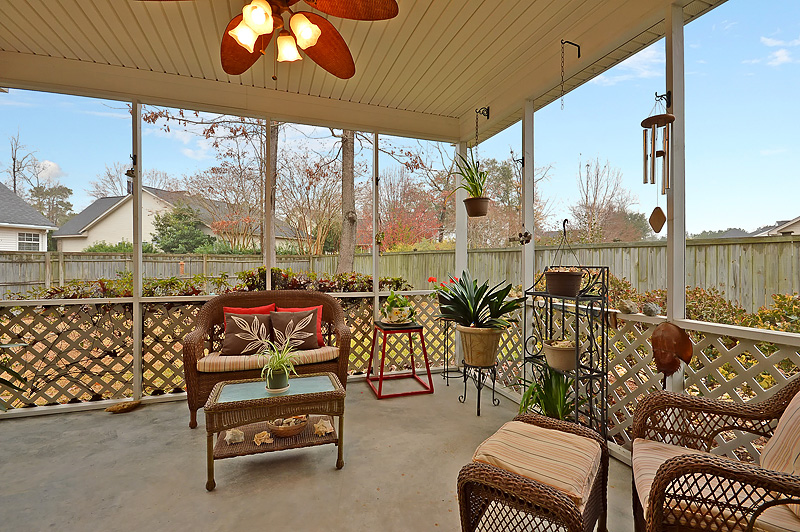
{"points": [[82, 350]]}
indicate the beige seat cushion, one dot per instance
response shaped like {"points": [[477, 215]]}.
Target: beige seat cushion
{"points": [[215, 363], [563, 461], [782, 451], [648, 457]]}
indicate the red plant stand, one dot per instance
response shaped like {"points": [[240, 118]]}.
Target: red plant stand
{"points": [[386, 329]]}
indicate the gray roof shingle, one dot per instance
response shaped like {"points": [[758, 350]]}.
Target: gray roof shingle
{"points": [[74, 225], [16, 211]]}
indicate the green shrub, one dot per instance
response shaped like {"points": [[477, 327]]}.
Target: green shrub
{"points": [[119, 247]]}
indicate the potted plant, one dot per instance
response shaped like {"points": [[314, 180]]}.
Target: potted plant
{"points": [[397, 310], [479, 313], [473, 182], [551, 394], [277, 367], [560, 354], [563, 280]]}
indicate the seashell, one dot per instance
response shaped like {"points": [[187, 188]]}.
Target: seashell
{"points": [[234, 436], [651, 309], [263, 437], [120, 408], [323, 427], [670, 344]]}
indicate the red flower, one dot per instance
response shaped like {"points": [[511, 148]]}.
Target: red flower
{"points": [[431, 279]]}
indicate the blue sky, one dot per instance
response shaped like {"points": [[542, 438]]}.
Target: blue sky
{"points": [[742, 80]]}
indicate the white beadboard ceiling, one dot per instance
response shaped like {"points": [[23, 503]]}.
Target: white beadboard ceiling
{"points": [[421, 74]]}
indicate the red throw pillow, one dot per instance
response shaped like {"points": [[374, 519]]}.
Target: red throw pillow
{"points": [[320, 339], [266, 309]]}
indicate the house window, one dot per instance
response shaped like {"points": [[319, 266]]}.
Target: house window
{"points": [[28, 241]]}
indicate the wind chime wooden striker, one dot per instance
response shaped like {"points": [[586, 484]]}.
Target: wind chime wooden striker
{"points": [[656, 135]]}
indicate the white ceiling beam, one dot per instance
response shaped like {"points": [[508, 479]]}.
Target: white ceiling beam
{"points": [[25, 71]]}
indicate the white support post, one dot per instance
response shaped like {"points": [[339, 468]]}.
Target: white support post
{"points": [[269, 186], [528, 194], [376, 257], [676, 195], [138, 321], [461, 222]]}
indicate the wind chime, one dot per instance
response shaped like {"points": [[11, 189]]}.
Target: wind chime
{"points": [[656, 138]]}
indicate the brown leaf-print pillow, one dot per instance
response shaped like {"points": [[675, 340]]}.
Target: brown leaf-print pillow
{"points": [[246, 334], [297, 328]]}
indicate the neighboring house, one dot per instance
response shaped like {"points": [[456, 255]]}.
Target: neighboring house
{"points": [[22, 228], [110, 219], [781, 228]]}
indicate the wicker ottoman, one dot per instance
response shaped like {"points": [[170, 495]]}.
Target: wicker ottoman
{"points": [[536, 474]]}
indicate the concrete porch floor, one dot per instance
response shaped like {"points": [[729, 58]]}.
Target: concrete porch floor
{"points": [[145, 470]]}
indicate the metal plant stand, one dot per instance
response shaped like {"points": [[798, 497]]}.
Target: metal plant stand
{"points": [[584, 319], [448, 373], [479, 375]]}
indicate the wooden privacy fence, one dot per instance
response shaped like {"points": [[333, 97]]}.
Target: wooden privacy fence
{"points": [[747, 270]]}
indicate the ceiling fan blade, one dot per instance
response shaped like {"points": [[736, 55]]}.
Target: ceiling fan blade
{"points": [[235, 59], [330, 52], [357, 9]]}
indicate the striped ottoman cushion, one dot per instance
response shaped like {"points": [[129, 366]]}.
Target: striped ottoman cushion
{"points": [[563, 461], [649, 455], [215, 362]]}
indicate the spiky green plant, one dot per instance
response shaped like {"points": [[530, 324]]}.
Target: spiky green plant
{"points": [[472, 305], [551, 394], [473, 179]]}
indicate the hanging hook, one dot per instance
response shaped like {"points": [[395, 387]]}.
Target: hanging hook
{"points": [[578, 46], [666, 98], [483, 111]]}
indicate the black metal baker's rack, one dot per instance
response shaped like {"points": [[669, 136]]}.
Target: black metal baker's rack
{"points": [[550, 317]]}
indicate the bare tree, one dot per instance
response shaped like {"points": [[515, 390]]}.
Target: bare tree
{"points": [[23, 164], [114, 182], [601, 196], [308, 190]]}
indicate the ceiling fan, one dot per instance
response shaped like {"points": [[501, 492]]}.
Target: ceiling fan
{"points": [[248, 34]]}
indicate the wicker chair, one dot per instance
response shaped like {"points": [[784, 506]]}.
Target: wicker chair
{"points": [[209, 331], [694, 490], [493, 499]]}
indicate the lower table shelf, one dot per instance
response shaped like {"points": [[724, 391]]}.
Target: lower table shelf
{"points": [[307, 438]]}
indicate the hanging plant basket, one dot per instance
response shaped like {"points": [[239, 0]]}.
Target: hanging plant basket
{"points": [[476, 207], [561, 358]]}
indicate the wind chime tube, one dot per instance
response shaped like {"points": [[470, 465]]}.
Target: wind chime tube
{"points": [[653, 155], [644, 168], [666, 158]]}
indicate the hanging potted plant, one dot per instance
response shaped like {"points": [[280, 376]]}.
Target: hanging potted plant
{"points": [[479, 313], [277, 367], [563, 280], [473, 182]]}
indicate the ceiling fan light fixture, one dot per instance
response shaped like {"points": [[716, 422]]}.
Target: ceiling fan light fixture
{"points": [[258, 16], [287, 49], [245, 36], [304, 30]]}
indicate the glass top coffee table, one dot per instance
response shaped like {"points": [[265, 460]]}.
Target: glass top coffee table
{"points": [[247, 405]]}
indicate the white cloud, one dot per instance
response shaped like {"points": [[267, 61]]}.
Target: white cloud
{"points": [[109, 114], [702, 61], [181, 135], [751, 61], [50, 171], [644, 65], [205, 149], [779, 57], [772, 151], [768, 41]]}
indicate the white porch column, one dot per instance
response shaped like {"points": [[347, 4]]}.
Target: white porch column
{"points": [[528, 256], [528, 250], [376, 256], [676, 195], [461, 222], [269, 187], [136, 136]]}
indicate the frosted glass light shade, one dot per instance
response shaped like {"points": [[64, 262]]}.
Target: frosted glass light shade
{"points": [[245, 36], [287, 49], [304, 31], [258, 15]]}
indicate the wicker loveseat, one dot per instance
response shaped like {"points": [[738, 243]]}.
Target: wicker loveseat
{"points": [[207, 337], [679, 485]]}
